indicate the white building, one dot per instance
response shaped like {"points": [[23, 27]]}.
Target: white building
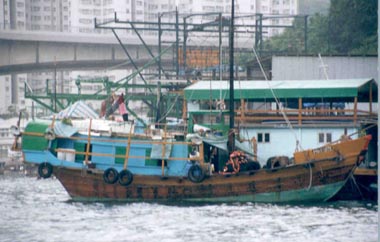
{"points": [[13, 14], [46, 15], [277, 7], [273, 8], [83, 13], [6, 138], [12, 93], [5, 93]]}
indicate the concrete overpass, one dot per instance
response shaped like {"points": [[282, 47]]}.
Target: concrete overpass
{"points": [[23, 52], [31, 51]]}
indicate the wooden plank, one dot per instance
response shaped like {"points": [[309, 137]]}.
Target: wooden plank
{"points": [[362, 171]]}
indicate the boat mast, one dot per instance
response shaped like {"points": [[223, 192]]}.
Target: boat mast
{"points": [[231, 133]]}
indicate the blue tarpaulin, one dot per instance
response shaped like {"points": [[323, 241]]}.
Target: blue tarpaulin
{"points": [[64, 130], [78, 109]]}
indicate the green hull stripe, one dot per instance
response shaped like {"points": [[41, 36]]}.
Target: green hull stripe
{"points": [[314, 194]]}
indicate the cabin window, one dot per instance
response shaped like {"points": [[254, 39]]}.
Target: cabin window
{"points": [[328, 137], [266, 138], [322, 137], [120, 155], [79, 147], [263, 137]]}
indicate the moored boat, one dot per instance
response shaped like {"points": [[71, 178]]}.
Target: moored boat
{"points": [[162, 165], [98, 159]]}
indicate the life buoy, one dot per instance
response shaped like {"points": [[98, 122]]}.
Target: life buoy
{"points": [[110, 176], [49, 134], [125, 177], [45, 170], [15, 131], [196, 174]]}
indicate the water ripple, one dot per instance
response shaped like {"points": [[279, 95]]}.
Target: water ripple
{"points": [[40, 210]]}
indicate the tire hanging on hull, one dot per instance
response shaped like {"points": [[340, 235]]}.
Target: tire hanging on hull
{"points": [[196, 174], [45, 170], [110, 176], [125, 177]]}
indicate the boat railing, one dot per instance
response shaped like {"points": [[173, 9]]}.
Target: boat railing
{"points": [[170, 127], [71, 151], [300, 116], [305, 114]]}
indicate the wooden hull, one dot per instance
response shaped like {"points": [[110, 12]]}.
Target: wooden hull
{"points": [[314, 182]]}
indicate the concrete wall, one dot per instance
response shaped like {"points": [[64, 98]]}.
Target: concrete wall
{"points": [[311, 67]]}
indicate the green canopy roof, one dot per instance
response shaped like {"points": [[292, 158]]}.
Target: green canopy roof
{"points": [[342, 89]]}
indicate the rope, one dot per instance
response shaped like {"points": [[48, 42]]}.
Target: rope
{"points": [[311, 177], [277, 101], [355, 184], [169, 110]]}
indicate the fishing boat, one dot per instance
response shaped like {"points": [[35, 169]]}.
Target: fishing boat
{"points": [[97, 159], [125, 162]]}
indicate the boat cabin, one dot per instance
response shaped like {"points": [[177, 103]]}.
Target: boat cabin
{"points": [[286, 115]]}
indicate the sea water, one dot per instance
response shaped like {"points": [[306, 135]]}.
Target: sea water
{"points": [[40, 210]]}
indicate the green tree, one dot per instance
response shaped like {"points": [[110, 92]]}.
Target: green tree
{"points": [[290, 41], [318, 41], [349, 28], [353, 26]]}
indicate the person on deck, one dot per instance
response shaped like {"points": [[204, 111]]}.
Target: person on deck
{"points": [[105, 104], [214, 159], [236, 164], [122, 107], [232, 165], [114, 106]]}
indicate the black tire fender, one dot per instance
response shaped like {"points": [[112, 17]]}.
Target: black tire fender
{"points": [[196, 174], [125, 177], [45, 170], [110, 175]]}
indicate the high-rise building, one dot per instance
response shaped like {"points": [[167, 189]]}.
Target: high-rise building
{"points": [[83, 12], [5, 93], [78, 15], [12, 93], [14, 15], [275, 8], [47, 15]]}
